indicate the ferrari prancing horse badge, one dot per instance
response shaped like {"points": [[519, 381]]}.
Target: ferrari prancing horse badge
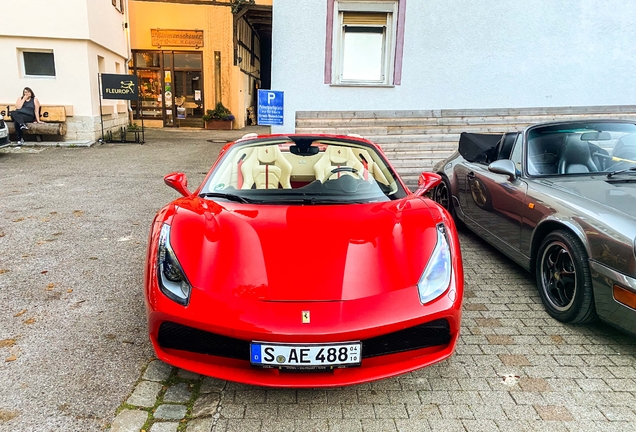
{"points": [[305, 317]]}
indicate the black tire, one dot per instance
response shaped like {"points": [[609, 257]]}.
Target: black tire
{"points": [[564, 280], [442, 195]]}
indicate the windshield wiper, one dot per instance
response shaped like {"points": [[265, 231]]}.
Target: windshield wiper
{"points": [[317, 201], [227, 196], [613, 173]]}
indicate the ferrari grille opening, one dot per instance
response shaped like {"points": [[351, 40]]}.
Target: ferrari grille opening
{"points": [[426, 335], [180, 337], [177, 336]]}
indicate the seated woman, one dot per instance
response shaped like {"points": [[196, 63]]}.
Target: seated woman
{"points": [[27, 110]]}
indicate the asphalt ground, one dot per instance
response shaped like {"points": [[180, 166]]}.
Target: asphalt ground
{"points": [[74, 224], [74, 352]]}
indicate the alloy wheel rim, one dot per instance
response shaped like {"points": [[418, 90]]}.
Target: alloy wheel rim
{"points": [[558, 276], [441, 196]]}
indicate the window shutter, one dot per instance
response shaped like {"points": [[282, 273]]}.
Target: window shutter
{"points": [[364, 18]]}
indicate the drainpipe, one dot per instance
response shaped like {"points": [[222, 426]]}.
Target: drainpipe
{"points": [[126, 25]]}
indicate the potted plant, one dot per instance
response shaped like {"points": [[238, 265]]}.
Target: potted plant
{"points": [[218, 118]]}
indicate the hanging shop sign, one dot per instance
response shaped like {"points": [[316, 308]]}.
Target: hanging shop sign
{"points": [[181, 38], [115, 86]]}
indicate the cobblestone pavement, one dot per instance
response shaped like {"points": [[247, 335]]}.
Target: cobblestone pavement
{"points": [[515, 369]]}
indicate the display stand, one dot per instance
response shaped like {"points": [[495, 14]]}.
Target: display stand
{"points": [[126, 92]]}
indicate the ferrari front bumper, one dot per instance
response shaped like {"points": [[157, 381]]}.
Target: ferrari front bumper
{"points": [[397, 333]]}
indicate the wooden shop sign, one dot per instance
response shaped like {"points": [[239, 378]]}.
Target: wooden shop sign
{"points": [[181, 38]]}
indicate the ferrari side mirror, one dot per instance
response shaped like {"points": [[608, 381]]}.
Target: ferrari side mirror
{"points": [[179, 182], [505, 167], [426, 182]]}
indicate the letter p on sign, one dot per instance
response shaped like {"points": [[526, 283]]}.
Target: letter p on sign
{"points": [[270, 97]]}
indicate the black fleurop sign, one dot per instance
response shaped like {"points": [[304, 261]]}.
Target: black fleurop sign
{"points": [[119, 86]]}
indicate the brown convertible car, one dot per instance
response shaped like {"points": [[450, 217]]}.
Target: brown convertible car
{"points": [[560, 200]]}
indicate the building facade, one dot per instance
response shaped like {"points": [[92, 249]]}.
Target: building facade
{"points": [[412, 75], [187, 54], [58, 49], [191, 54]]}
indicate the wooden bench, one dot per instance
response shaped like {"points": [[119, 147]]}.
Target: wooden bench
{"points": [[52, 116]]}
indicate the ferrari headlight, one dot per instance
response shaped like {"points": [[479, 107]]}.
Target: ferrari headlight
{"points": [[172, 280], [437, 274]]}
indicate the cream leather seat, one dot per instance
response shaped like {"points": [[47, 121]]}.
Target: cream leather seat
{"points": [[266, 168], [334, 157], [373, 171], [232, 175]]}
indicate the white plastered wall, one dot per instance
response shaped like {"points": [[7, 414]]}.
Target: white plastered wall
{"points": [[465, 54]]}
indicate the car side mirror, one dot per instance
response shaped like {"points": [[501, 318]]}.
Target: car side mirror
{"points": [[505, 167], [179, 182], [426, 182]]}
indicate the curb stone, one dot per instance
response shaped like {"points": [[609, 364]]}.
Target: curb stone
{"points": [[165, 427], [145, 394], [129, 421], [170, 412]]}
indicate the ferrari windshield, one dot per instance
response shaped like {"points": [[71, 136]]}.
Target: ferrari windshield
{"points": [[303, 170], [581, 148]]}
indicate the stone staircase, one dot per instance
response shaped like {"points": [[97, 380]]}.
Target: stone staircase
{"points": [[415, 140]]}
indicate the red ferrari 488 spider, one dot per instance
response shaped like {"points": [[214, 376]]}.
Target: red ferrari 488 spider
{"points": [[303, 261]]}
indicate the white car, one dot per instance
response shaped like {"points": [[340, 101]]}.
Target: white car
{"points": [[4, 134]]}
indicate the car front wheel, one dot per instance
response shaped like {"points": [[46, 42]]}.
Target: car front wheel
{"points": [[441, 195], [563, 278]]}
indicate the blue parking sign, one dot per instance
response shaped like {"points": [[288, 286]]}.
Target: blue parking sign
{"points": [[270, 107]]}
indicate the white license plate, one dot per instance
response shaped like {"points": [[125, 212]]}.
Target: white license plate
{"points": [[305, 356]]}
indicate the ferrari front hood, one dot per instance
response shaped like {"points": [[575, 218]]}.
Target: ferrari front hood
{"points": [[303, 253]]}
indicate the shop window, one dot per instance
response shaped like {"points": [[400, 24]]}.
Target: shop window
{"points": [[151, 93], [365, 43], [38, 63], [148, 59], [167, 60], [187, 61], [171, 87]]}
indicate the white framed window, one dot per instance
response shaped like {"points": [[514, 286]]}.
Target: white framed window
{"points": [[364, 42], [38, 63]]}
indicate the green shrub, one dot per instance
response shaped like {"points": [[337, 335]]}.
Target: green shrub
{"points": [[218, 113]]}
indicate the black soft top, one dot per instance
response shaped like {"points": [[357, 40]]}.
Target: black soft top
{"points": [[486, 148]]}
